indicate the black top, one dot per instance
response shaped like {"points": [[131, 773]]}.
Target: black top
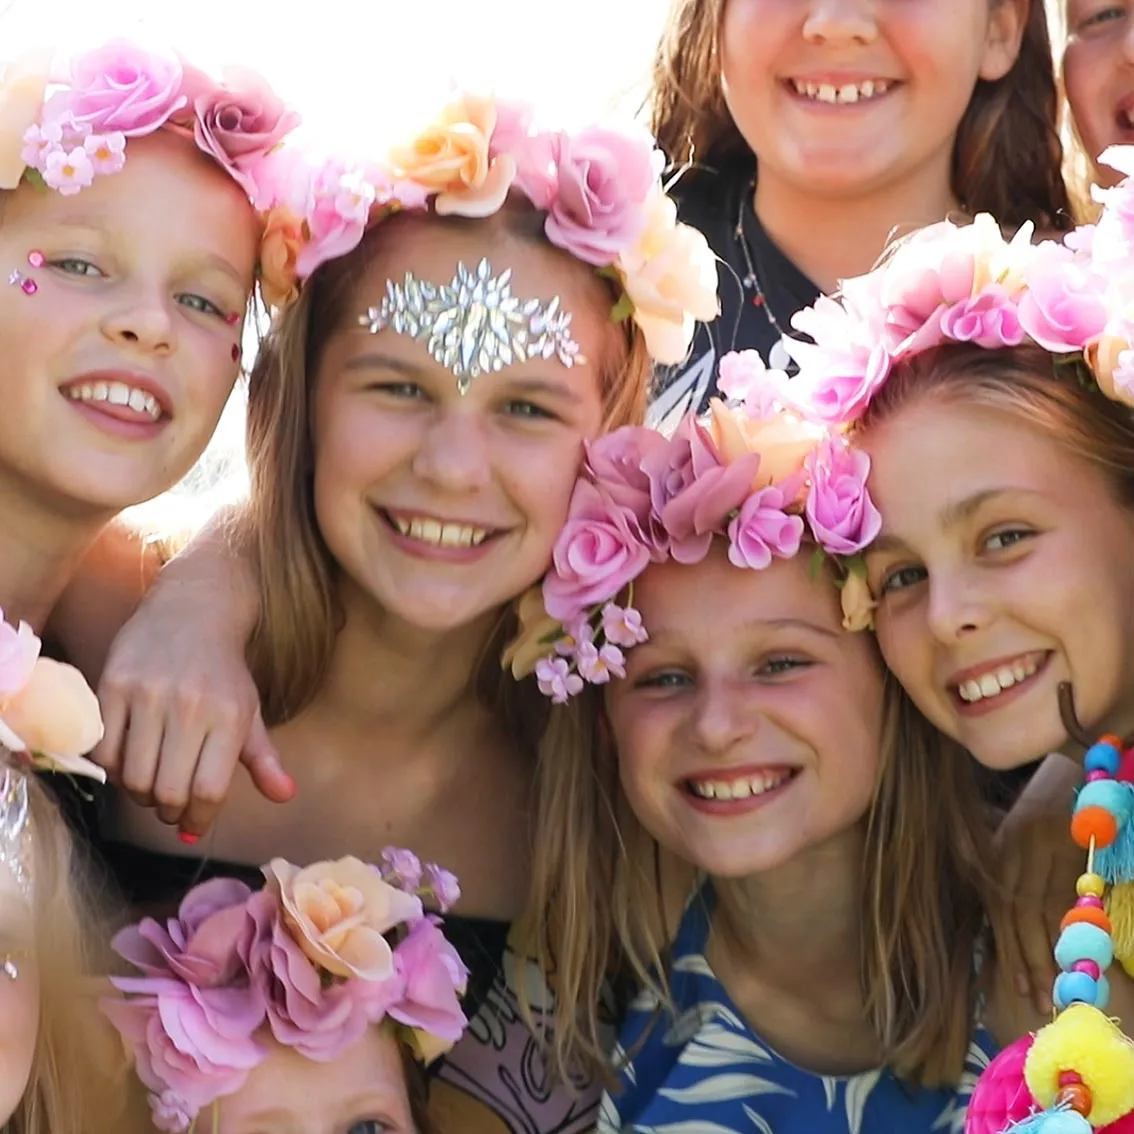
{"points": [[759, 287]]}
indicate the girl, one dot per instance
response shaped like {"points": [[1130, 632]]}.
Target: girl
{"points": [[320, 990], [776, 104], [823, 979], [416, 419]]}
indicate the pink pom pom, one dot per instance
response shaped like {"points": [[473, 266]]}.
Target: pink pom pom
{"points": [[1001, 1096]]}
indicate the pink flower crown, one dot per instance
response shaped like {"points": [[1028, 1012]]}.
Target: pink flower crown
{"points": [[317, 956], [951, 283], [65, 130], [755, 472], [599, 187]]}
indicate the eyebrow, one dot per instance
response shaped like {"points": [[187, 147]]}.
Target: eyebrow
{"points": [[661, 637], [954, 514]]}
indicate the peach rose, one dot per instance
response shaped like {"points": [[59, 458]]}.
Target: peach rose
{"points": [[857, 603], [531, 643], [55, 716], [340, 913], [1111, 360], [451, 158], [280, 246], [21, 102], [670, 276], [782, 440]]}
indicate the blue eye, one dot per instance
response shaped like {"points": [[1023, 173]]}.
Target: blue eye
{"points": [[370, 1126], [201, 304], [77, 266], [668, 679]]}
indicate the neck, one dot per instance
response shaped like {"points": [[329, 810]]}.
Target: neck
{"points": [[832, 238], [42, 547], [408, 681], [799, 925]]}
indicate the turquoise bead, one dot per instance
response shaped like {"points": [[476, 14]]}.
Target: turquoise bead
{"points": [[1059, 1122], [1102, 999], [1110, 795], [1072, 988], [1081, 941], [1102, 757]]}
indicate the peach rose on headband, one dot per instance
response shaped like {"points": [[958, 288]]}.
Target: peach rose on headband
{"points": [[340, 913], [280, 246], [21, 101], [536, 637], [1111, 359], [857, 603], [451, 158], [670, 277], [782, 439]]}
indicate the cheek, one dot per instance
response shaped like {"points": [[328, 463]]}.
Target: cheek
{"points": [[540, 480], [1083, 77], [19, 1024]]}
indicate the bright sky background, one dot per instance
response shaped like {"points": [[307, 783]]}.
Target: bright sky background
{"points": [[358, 69]]}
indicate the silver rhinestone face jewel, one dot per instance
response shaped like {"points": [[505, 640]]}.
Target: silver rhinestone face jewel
{"points": [[9, 969], [15, 828], [474, 325]]}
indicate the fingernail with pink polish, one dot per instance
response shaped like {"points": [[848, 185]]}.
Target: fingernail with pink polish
{"points": [[188, 838]]}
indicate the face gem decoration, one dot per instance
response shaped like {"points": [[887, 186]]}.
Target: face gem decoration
{"points": [[474, 325], [25, 283], [15, 828], [9, 969], [235, 352]]}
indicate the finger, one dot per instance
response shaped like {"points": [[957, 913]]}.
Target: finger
{"points": [[141, 748], [108, 753], [181, 748], [264, 765], [1034, 944], [212, 781]]}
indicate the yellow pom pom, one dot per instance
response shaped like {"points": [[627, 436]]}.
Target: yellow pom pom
{"points": [[1090, 886], [1120, 907], [1082, 1039]]}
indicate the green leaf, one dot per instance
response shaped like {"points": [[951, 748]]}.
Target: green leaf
{"points": [[816, 564], [856, 566], [35, 179], [622, 310]]}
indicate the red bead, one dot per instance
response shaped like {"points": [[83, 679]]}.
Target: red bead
{"points": [[1090, 900], [1094, 824], [1091, 969]]}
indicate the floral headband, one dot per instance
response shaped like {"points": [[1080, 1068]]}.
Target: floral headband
{"points": [[599, 187], [318, 956], [754, 472], [951, 283]]}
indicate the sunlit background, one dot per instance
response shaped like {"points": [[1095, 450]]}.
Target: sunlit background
{"points": [[363, 71]]}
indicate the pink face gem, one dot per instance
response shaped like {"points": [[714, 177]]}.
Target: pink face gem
{"points": [[37, 259], [232, 319], [235, 353], [29, 287]]}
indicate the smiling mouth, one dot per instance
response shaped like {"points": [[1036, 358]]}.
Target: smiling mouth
{"points": [[844, 94], [744, 787], [116, 394], [438, 533], [989, 685]]}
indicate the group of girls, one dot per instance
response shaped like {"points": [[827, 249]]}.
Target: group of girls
{"points": [[726, 861]]}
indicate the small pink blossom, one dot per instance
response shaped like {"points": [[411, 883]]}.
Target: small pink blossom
{"points": [[604, 179], [443, 885], [171, 1113], [576, 631], [622, 626], [107, 152], [842, 516], [40, 139], [556, 680], [120, 88], [762, 529], [598, 664], [1064, 306], [19, 649], [69, 171], [403, 866], [598, 552], [989, 319]]}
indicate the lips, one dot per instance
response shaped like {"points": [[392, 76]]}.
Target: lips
{"points": [[131, 394], [989, 680]]}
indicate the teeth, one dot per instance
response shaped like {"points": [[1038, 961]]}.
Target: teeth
{"points": [[992, 684], [439, 534], [117, 394], [848, 93], [738, 789]]}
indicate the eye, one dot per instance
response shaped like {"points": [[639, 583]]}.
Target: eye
{"points": [[1006, 538], [777, 666], [77, 266], [664, 679], [201, 304], [901, 578], [1104, 16], [370, 1126], [528, 410], [409, 391]]}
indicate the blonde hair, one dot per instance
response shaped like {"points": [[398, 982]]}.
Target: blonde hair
{"points": [[78, 1061], [291, 647], [599, 890]]}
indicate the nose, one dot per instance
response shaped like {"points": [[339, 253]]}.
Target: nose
{"points": [[142, 323], [724, 716], [957, 608], [840, 22], [454, 453]]}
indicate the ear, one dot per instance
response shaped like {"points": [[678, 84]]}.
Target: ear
{"points": [[1006, 22]]}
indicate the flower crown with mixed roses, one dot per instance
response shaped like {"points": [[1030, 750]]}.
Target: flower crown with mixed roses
{"points": [[967, 284], [317, 956], [64, 129], [600, 188], [755, 472]]}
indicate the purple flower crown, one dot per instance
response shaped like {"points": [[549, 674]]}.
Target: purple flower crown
{"points": [[316, 957], [966, 283], [754, 472]]}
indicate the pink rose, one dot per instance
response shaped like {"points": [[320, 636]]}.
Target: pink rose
{"points": [[337, 218], [604, 179], [1064, 305], [616, 463], [693, 491], [533, 153], [762, 529], [842, 516], [599, 551], [989, 319], [319, 1021], [121, 88], [19, 648], [240, 121], [435, 978]]}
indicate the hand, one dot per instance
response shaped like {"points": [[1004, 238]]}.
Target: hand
{"points": [[1037, 865], [179, 721]]}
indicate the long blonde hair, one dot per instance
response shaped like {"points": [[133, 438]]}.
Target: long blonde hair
{"points": [[291, 647], [78, 1062], [925, 893]]}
